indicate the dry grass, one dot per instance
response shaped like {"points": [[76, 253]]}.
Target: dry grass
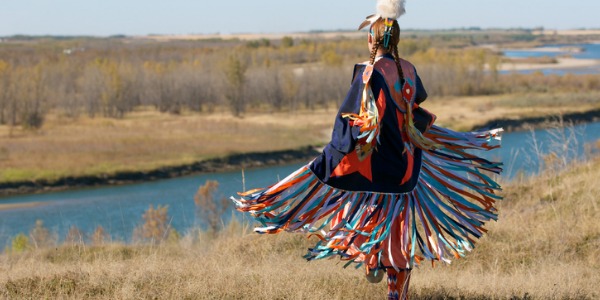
{"points": [[545, 246]]}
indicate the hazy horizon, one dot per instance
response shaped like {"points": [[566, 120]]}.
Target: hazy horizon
{"points": [[136, 17]]}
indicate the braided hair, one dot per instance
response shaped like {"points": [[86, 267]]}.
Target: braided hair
{"points": [[377, 33]]}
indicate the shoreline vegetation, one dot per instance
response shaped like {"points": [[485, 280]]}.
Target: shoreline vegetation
{"points": [[517, 259]]}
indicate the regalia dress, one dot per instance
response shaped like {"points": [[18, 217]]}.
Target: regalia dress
{"points": [[391, 189]]}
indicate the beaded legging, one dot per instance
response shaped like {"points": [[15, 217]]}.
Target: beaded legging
{"points": [[398, 284]]}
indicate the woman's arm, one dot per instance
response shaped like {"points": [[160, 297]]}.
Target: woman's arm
{"points": [[344, 135], [421, 92]]}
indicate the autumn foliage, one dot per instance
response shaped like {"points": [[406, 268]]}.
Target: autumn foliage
{"points": [[111, 77]]}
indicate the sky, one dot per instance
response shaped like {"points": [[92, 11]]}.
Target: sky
{"points": [[143, 17]]}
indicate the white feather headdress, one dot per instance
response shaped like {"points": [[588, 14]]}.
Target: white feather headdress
{"points": [[388, 9]]}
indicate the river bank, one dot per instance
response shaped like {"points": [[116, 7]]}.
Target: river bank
{"points": [[228, 163], [248, 160]]}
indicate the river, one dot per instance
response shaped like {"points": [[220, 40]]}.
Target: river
{"points": [[589, 51], [118, 209]]}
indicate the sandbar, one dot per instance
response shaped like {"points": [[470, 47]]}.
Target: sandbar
{"points": [[562, 63], [540, 49], [10, 206]]}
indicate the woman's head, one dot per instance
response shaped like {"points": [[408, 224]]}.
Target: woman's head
{"points": [[384, 35], [377, 34]]}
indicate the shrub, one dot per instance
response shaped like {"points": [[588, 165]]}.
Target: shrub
{"points": [[74, 236], [155, 228], [210, 207], [40, 236], [287, 42], [99, 236], [19, 243]]}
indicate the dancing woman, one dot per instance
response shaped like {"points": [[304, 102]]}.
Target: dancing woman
{"points": [[391, 189]]}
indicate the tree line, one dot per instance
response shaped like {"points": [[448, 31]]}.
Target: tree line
{"points": [[111, 77]]}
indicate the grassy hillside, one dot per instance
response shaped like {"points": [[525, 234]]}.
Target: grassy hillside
{"points": [[545, 246]]}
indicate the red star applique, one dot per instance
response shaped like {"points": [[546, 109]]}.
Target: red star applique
{"points": [[351, 164]]}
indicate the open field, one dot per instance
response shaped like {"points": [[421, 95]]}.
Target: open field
{"points": [[146, 140], [546, 245]]}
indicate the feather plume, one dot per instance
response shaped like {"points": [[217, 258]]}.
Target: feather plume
{"points": [[369, 21], [391, 9]]}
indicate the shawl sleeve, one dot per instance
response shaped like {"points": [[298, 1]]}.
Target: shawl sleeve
{"points": [[421, 92], [344, 135]]}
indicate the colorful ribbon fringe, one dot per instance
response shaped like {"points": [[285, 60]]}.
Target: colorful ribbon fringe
{"points": [[440, 219]]}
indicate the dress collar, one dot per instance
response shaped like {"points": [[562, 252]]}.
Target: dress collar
{"points": [[387, 55]]}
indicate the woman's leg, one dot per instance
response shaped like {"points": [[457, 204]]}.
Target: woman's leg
{"points": [[398, 284]]}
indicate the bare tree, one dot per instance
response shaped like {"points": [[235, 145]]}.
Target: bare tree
{"points": [[156, 227], [235, 73], [210, 207]]}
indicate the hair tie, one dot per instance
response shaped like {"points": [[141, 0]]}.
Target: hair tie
{"points": [[387, 34]]}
